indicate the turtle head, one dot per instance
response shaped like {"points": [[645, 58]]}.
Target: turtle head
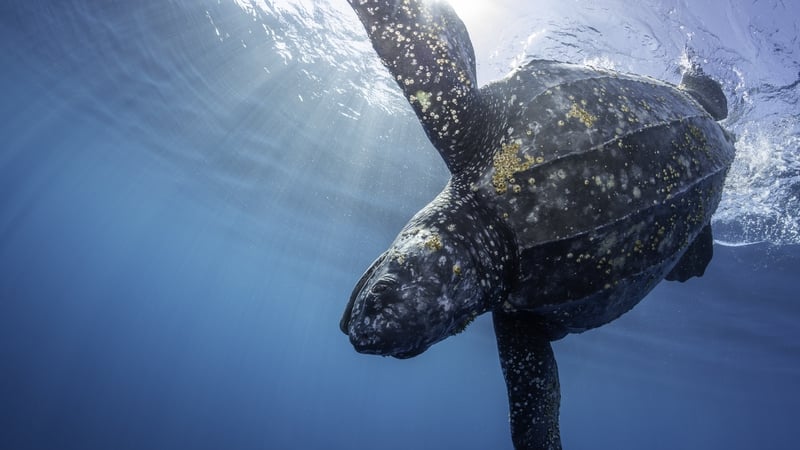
{"points": [[429, 285]]}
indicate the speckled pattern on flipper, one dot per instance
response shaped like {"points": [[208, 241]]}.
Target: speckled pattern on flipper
{"points": [[574, 192]]}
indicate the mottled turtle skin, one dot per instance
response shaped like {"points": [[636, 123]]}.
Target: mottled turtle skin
{"points": [[574, 191]]}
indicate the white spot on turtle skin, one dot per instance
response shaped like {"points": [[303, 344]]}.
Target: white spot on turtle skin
{"points": [[637, 193]]}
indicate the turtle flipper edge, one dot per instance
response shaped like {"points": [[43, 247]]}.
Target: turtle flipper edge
{"points": [[693, 263], [428, 51], [531, 374]]}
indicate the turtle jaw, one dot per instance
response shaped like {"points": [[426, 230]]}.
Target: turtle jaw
{"points": [[368, 347], [372, 345], [382, 335]]}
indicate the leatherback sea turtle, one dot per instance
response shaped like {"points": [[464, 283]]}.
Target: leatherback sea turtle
{"points": [[574, 191]]}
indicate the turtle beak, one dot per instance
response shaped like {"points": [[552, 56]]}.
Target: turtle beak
{"points": [[346, 318], [348, 310]]}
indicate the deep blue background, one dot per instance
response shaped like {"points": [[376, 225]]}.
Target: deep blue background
{"points": [[183, 213]]}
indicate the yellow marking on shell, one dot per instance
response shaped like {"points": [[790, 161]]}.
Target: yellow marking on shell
{"points": [[424, 100], [506, 165], [457, 269], [434, 243], [576, 112]]}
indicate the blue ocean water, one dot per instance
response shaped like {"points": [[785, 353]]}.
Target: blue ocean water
{"points": [[190, 189]]}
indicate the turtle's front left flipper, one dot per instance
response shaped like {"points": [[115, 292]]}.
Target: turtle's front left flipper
{"points": [[531, 374], [429, 53]]}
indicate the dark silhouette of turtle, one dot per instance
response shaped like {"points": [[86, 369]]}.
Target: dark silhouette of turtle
{"points": [[574, 191]]}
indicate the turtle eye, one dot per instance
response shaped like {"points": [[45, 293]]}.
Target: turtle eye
{"points": [[382, 285]]}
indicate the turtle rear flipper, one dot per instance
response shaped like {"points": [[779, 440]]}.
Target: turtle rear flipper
{"points": [[693, 263], [706, 91]]}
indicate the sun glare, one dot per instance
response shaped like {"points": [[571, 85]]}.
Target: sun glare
{"points": [[469, 9], [483, 19]]}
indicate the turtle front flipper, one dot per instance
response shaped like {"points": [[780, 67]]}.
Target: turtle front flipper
{"points": [[706, 91], [429, 53], [531, 374]]}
